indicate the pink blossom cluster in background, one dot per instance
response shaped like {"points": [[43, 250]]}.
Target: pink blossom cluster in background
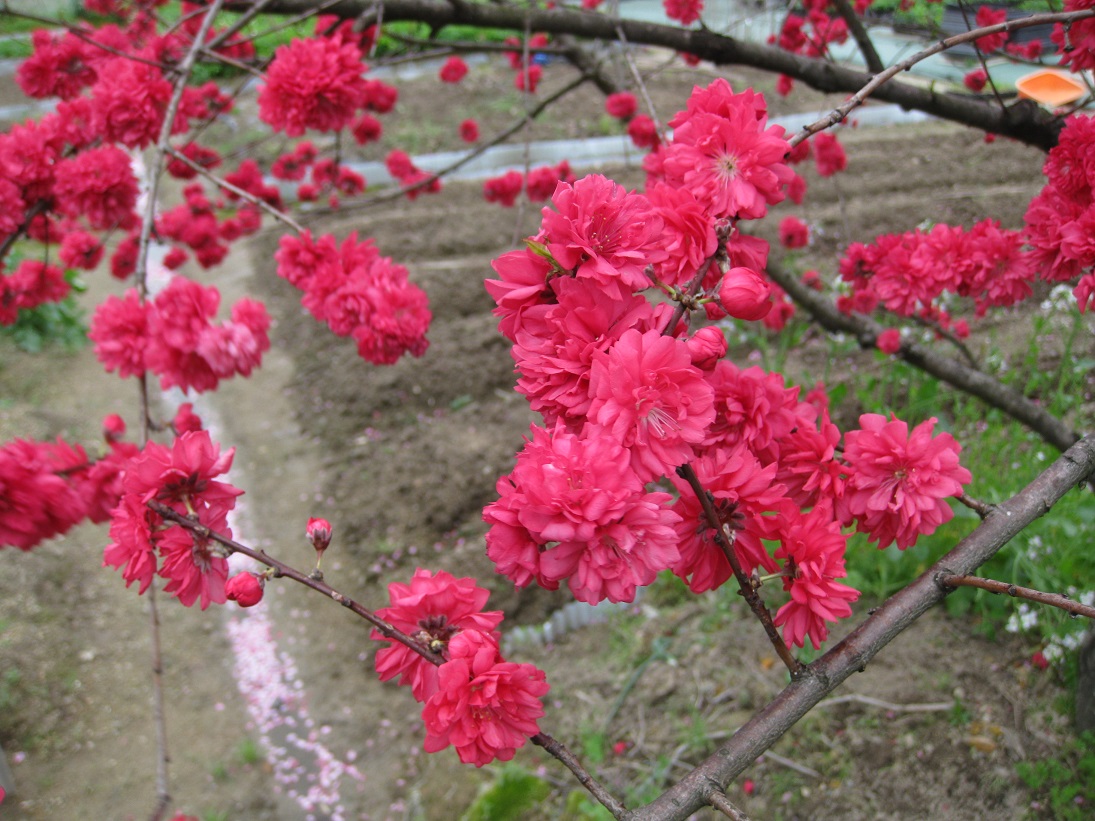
{"points": [[47, 488], [1060, 220], [174, 338], [358, 293], [908, 273], [538, 184]]}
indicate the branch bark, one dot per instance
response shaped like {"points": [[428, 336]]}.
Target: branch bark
{"points": [[1024, 121], [853, 653]]}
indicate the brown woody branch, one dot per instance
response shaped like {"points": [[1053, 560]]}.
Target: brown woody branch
{"points": [[852, 654], [1025, 120], [1053, 599]]}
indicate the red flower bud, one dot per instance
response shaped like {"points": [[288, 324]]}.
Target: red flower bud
{"points": [[744, 294], [706, 347], [186, 420], [113, 427], [245, 589], [319, 534]]}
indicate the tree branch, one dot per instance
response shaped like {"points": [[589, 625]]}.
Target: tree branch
{"points": [[859, 34], [1024, 121], [1014, 590], [861, 645]]}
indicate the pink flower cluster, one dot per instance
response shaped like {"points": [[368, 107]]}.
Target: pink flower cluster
{"points": [[414, 179], [812, 34], [908, 273], [33, 283], [313, 83], [174, 338], [1060, 221], [540, 184], [319, 176], [46, 488], [358, 293], [144, 544], [475, 700], [1077, 45], [629, 397]]}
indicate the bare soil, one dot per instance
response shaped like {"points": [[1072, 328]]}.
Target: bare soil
{"points": [[402, 460]]}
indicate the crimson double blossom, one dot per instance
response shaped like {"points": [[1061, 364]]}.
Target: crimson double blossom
{"points": [[476, 701], [144, 544]]}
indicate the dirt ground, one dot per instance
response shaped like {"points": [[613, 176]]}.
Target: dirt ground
{"points": [[402, 461]]}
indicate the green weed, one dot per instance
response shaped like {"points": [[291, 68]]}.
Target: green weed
{"points": [[1063, 785], [511, 796]]}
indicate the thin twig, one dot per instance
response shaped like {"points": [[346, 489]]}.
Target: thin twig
{"points": [[282, 569], [242, 21], [720, 802], [982, 509], [857, 649], [1052, 599], [281, 216], [747, 590], [841, 112], [162, 146], [499, 138], [981, 55], [163, 792], [790, 764], [857, 698], [568, 759], [859, 34]]}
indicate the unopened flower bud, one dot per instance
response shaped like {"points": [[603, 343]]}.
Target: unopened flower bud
{"points": [[113, 427], [319, 534], [706, 347], [186, 420], [744, 294], [245, 589]]}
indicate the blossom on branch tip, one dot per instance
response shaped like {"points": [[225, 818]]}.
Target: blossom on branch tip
{"points": [[469, 131], [184, 478], [622, 105], [899, 481], [812, 548], [433, 608], [453, 71], [484, 707], [725, 153]]}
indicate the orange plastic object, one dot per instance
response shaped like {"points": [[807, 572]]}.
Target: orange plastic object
{"points": [[1050, 87]]}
